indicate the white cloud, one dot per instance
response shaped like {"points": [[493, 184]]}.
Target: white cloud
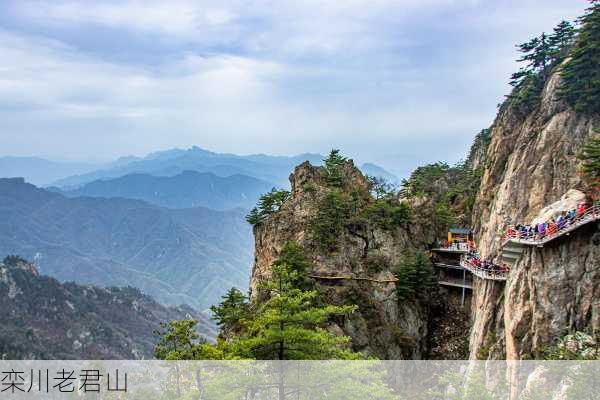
{"points": [[269, 76]]}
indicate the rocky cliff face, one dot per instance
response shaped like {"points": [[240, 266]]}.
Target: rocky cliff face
{"points": [[532, 162], [382, 326]]}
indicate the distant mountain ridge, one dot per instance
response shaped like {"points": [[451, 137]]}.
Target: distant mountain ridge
{"points": [[46, 319], [274, 169], [176, 255], [185, 190]]}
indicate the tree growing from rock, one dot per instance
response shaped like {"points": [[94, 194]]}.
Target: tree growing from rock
{"points": [[289, 324], [269, 203], [581, 74]]}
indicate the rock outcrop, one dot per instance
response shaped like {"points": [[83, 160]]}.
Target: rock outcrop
{"points": [[382, 326], [531, 163]]}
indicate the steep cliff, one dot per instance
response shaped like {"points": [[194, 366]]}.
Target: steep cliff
{"points": [[532, 162], [383, 325]]}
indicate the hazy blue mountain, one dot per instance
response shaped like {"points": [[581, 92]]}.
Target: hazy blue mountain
{"points": [[176, 255], [274, 169], [377, 171], [185, 190], [40, 171]]}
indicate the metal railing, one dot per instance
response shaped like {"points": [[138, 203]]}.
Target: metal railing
{"points": [[494, 273], [535, 239]]}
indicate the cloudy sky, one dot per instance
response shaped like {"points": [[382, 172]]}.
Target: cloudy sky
{"points": [[397, 82]]}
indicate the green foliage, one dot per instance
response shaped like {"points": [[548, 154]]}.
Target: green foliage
{"points": [[540, 55], [452, 190], [415, 276], [288, 325], [376, 263], [332, 216], [387, 213], [590, 157], [422, 180], [293, 258], [268, 204], [562, 39], [334, 168], [13, 260], [444, 216], [581, 74], [178, 340], [231, 313]]}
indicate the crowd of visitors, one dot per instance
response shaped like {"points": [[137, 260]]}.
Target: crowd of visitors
{"points": [[487, 265], [549, 228]]}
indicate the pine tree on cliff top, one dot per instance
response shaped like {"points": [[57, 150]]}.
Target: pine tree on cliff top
{"points": [[581, 75], [333, 168], [561, 40], [268, 204]]}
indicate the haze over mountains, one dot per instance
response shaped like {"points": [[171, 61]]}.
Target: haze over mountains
{"points": [[185, 190], [171, 224], [40, 171], [176, 255]]}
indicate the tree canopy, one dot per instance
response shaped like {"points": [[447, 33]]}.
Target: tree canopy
{"points": [[581, 74], [269, 203], [334, 164], [289, 324], [590, 157]]}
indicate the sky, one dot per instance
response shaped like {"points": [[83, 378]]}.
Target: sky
{"points": [[398, 83]]}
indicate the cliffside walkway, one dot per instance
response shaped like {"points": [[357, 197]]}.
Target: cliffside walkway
{"points": [[591, 214], [493, 274], [353, 278]]}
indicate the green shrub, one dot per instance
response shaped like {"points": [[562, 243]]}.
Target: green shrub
{"points": [[330, 220]]}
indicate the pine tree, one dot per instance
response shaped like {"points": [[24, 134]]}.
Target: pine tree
{"points": [[288, 325], [293, 258], [334, 164], [269, 203], [231, 313], [332, 216], [590, 157], [561, 40], [178, 340], [415, 276], [581, 74]]}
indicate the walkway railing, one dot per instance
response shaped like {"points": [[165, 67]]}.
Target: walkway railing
{"points": [[353, 278], [494, 274], [591, 214]]}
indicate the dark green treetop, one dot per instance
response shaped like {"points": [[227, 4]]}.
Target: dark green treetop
{"points": [[581, 74]]}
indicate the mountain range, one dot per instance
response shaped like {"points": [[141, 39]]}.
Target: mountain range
{"points": [[190, 255], [170, 223], [53, 320], [68, 175], [185, 190]]}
